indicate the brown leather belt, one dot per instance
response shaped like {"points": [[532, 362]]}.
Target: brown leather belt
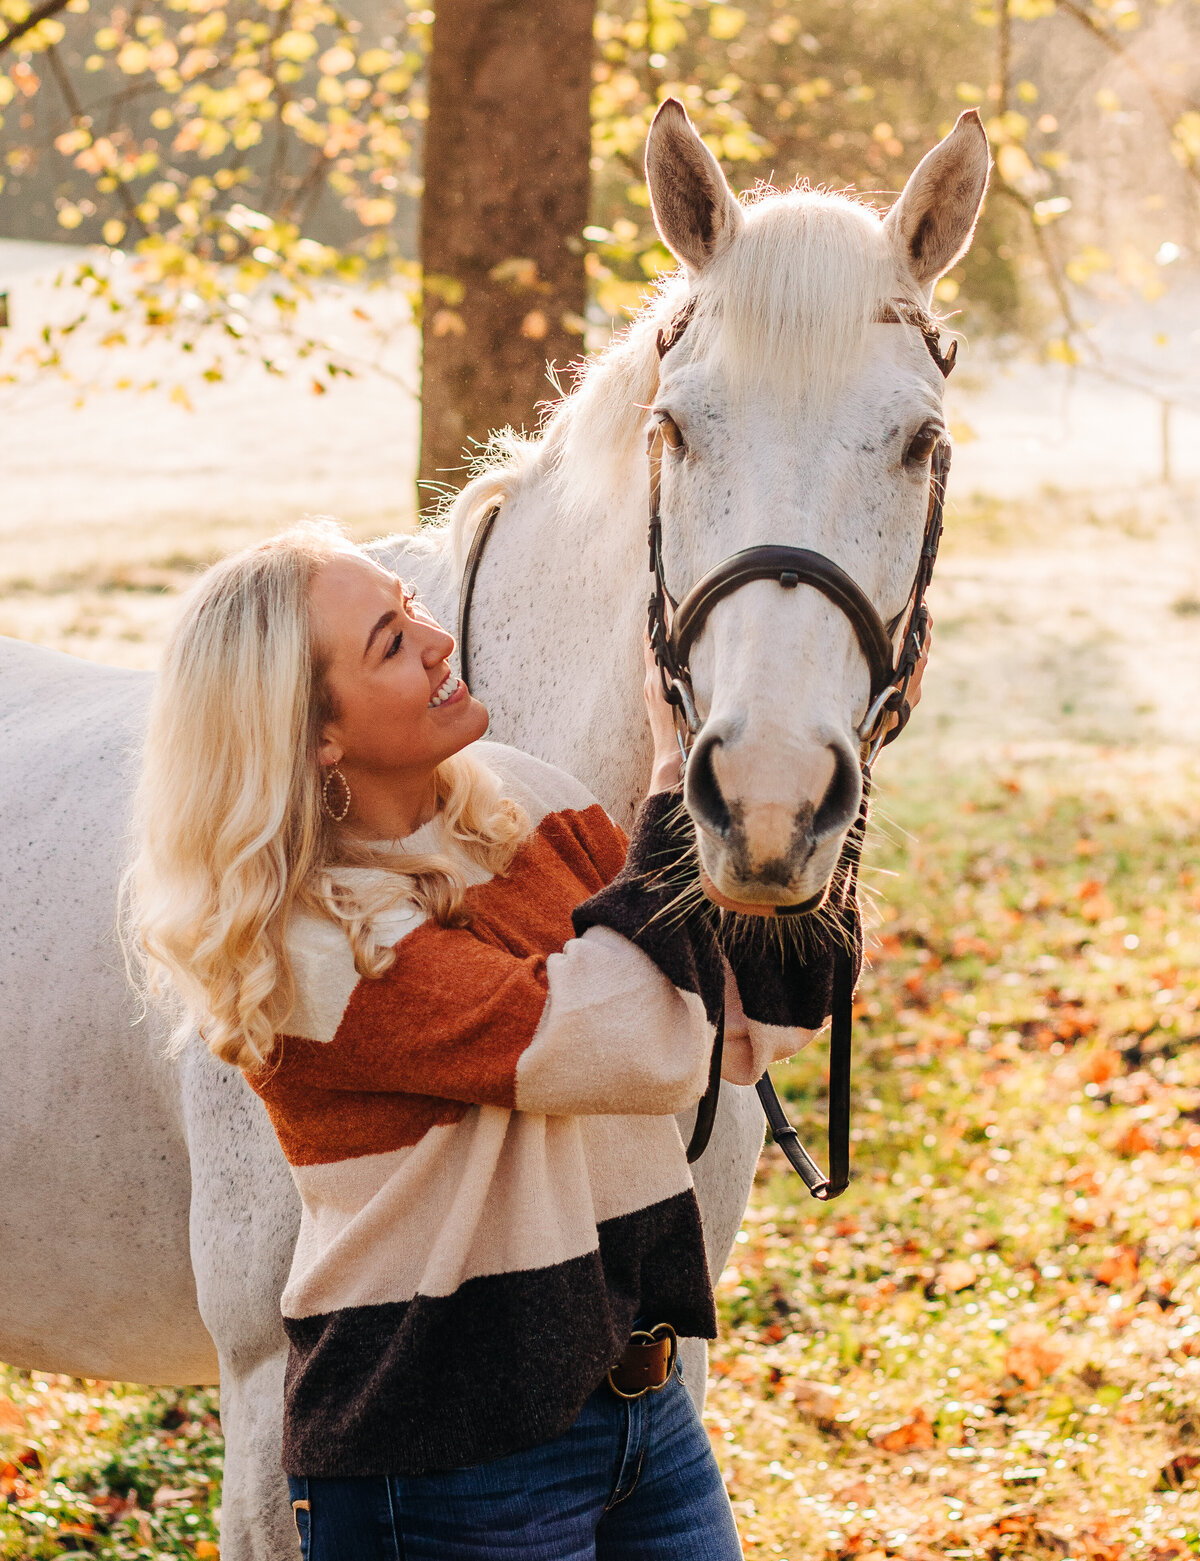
{"points": [[647, 1363]]}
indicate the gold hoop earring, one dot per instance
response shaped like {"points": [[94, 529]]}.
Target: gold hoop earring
{"points": [[329, 774]]}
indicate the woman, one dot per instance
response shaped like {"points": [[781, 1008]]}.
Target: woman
{"points": [[471, 1008]]}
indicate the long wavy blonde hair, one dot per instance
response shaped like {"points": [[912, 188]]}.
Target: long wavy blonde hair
{"points": [[229, 835]]}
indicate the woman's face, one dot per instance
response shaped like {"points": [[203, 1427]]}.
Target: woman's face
{"points": [[400, 709]]}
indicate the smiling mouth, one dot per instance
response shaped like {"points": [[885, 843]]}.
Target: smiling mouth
{"points": [[446, 689]]}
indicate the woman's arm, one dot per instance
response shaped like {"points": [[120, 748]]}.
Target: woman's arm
{"points": [[619, 1021]]}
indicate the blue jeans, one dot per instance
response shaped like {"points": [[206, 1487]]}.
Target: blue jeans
{"points": [[631, 1480]]}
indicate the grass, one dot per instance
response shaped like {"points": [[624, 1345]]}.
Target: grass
{"points": [[990, 1346]]}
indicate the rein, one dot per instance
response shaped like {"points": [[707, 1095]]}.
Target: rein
{"points": [[891, 675]]}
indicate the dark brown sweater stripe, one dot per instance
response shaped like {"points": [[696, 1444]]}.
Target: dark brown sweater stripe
{"points": [[435, 1383]]}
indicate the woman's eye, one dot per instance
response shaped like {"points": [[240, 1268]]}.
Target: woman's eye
{"points": [[670, 430], [922, 446], [393, 647]]}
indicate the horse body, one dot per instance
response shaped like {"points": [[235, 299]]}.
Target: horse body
{"points": [[149, 1216], [95, 1277]]}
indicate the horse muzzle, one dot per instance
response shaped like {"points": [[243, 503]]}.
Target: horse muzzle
{"points": [[756, 848]]}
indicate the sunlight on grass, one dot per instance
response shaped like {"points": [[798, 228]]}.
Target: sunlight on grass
{"points": [[991, 1345]]}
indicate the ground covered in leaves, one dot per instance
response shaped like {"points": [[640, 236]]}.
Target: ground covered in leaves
{"points": [[990, 1346]]}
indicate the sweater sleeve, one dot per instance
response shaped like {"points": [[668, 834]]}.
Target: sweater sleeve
{"points": [[618, 1022]]}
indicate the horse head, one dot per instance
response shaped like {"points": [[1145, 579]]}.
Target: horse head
{"points": [[798, 403]]}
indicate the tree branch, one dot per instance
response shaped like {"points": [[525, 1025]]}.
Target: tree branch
{"points": [[40, 13]]}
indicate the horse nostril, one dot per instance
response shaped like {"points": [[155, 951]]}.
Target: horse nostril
{"points": [[839, 805], [702, 791]]}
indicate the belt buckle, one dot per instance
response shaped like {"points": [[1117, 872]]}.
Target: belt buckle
{"points": [[651, 1336]]}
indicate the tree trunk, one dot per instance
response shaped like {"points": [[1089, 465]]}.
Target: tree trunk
{"points": [[507, 155]]}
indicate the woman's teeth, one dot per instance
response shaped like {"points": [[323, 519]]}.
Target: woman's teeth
{"points": [[445, 690]]}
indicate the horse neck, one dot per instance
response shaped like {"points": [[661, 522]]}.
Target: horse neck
{"points": [[556, 638]]}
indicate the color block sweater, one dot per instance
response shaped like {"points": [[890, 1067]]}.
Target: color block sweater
{"points": [[493, 1184]]}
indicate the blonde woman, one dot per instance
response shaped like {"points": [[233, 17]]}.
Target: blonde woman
{"points": [[443, 969]]}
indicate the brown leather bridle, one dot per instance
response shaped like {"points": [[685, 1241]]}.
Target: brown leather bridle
{"points": [[672, 642]]}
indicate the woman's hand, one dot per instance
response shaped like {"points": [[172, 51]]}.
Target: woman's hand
{"points": [[667, 758]]}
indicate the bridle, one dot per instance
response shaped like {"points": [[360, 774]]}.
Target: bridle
{"points": [[672, 644]]}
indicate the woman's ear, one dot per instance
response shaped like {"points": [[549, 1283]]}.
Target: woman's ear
{"points": [[329, 751]]}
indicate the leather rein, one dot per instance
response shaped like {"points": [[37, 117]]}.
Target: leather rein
{"points": [[672, 645]]}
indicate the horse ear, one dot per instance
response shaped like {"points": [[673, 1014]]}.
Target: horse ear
{"points": [[933, 222], [695, 211]]}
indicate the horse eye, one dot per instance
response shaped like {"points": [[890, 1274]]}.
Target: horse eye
{"points": [[922, 445], [670, 431]]}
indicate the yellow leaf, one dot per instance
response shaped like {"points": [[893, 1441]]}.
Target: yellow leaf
{"points": [[44, 35], [336, 60], [1108, 100], [968, 92], [210, 28], [376, 213], [69, 216], [295, 46], [133, 58], [1060, 350], [725, 21], [616, 297], [535, 325], [963, 433], [207, 1551], [114, 231], [181, 398], [1027, 92], [373, 61], [448, 322], [1013, 163]]}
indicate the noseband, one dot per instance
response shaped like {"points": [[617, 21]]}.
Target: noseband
{"points": [[672, 643]]}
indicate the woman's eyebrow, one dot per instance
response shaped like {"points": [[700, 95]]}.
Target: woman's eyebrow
{"points": [[387, 618]]}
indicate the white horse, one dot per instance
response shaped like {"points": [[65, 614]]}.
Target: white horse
{"points": [[148, 1217]]}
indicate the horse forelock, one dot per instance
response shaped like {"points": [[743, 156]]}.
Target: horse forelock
{"points": [[788, 304]]}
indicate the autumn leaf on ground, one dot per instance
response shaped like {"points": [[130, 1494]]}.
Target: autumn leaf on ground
{"points": [[958, 1275], [1101, 1066], [817, 1400], [1134, 1141], [914, 1433], [12, 1416], [1119, 1269], [1031, 1359]]}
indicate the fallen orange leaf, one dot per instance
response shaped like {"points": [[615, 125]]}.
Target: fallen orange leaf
{"points": [[958, 1275], [1032, 1362], [915, 1432], [1119, 1269]]}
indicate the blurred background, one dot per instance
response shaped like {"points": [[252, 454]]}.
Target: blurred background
{"points": [[262, 258]]}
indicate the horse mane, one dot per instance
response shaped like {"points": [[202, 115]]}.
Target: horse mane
{"points": [[790, 300]]}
